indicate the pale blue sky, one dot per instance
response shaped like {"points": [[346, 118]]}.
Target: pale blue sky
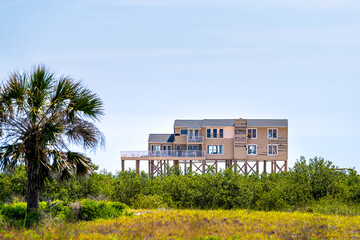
{"points": [[153, 61]]}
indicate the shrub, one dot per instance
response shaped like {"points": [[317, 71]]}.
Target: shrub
{"points": [[60, 210], [91, 210], [16, 215], [148, 202]]}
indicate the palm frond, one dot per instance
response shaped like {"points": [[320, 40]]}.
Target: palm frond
{"points": [[85, 103], [80, 162], [85, 133], [10, 155]]}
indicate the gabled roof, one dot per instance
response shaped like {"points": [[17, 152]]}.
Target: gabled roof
{"points": [[267, 122], [198, 124], [161, 138], [218, 123], [195, 124]]}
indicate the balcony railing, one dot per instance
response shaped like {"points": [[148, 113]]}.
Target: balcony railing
{"points": [[164, 153], [194, 138]]}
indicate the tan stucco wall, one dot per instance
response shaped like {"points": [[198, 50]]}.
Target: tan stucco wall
{"points": [[228, 148], [262, 142]]}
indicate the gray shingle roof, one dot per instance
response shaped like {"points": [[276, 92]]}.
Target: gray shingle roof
{"points": [[161, 138], [198, 124], [267, 122], [218, 123], [188, 123]]}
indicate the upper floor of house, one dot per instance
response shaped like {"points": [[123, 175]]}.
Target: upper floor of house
{"points": [[226, 138]]}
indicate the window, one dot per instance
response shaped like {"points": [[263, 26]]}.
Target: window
{"points": [[272, 149], [191, 133], [183, 131], [221, 149], [209, 149], [272, 133], [214, 133], [221, 133], [215, 149], [193, 147], [208, 133], [251, 149], [252, 133]]}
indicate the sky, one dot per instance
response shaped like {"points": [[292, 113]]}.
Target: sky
{"points": [[154, 61]]}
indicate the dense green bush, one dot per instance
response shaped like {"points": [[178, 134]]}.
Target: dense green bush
{"points": [[61, 210], [148, 202], [91, 210], [307, 182], [16, 215]]}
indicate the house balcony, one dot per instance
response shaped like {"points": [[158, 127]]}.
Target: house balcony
{"points": [[163, 154], [195, 139]]}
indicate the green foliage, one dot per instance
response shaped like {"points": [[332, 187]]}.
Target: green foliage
{"points": [[302, 188], [41, 116], [61, 210], [91, 210], [16, 211], [148, 202], [16, 215]]}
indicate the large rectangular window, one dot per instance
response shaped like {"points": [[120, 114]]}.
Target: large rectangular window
{"points": [[251, 149], [193, 147], [272, 149], [221, 133], [183, 131], [252, 134], [214, 133], [221, 149], [272, 133], [215, 149], [208, 133]]}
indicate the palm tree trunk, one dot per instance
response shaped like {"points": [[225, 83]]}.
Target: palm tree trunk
{"points": [[32, 188]]}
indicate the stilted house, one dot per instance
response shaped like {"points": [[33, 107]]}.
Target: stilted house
{"points": [[246, 145]]}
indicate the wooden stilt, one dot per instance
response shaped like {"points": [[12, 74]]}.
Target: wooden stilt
{"points": [[235, 166], [152, 167], [203, 166], [137, 166], [122, 165], [264, 166], [216, 166], [246, 165]]}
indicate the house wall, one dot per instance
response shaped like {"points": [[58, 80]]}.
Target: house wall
{"points": [[262, 142], [235, 142], [228, 148]]}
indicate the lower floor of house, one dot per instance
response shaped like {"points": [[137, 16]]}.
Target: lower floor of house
{"points": [[162, 166]]}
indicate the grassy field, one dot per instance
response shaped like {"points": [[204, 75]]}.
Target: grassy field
{"points": [[198, 224]]}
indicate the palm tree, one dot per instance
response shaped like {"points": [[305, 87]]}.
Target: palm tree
{"points": [[41, 116]]}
